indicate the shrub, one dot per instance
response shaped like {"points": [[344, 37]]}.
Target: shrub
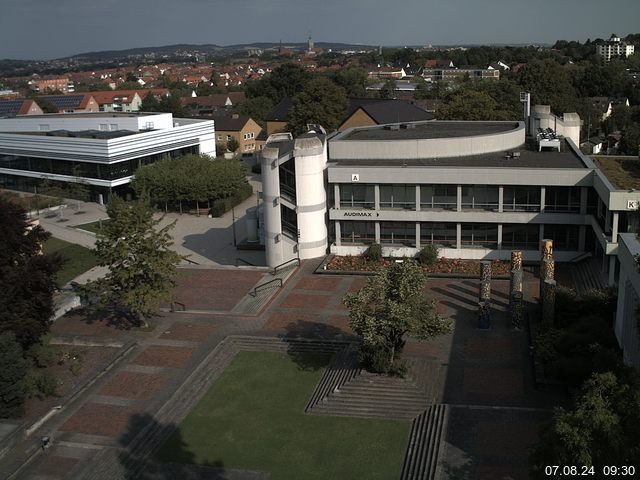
{"points": [[428, 256], [222, 205], [43, 385], [374, 252], [42, 354]]}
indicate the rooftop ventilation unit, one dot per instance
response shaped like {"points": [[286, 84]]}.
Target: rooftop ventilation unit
{"points": [[409, 126], [393, 126]]}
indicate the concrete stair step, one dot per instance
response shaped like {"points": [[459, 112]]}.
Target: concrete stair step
{"points": [[427, 431], [366, 412], [390, 396]]}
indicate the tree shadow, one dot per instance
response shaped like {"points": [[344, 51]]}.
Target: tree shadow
{"points": [[312, 358], [156, 451]]}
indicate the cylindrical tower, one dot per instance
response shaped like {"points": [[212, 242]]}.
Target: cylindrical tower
{"points": [[311, 200], [272, 227]]}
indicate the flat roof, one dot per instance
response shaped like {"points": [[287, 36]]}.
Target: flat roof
{"points": [[527, 159], [622, 172], [89, 115], [429, 130]]}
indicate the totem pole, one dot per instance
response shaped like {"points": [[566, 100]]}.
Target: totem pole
{"points": [[484, 303]]}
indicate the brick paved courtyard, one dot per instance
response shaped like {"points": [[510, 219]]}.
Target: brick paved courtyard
{"points": [[481, 369]]}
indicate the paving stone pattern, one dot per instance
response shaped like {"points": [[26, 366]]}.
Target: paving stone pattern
{"points": [[471, 380]]}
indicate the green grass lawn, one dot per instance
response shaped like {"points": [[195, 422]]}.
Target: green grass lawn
{"points": [[79, 259], [252, 418], [93, 226]]}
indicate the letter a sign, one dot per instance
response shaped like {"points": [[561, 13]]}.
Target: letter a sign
{"points": [[355, 177]]}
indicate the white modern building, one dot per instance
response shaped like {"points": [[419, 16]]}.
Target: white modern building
{"points": [[102, 149], [627, 326], [478, 190], [614, 48]]}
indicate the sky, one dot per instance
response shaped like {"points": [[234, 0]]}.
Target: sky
{"points": [[46, 29]]}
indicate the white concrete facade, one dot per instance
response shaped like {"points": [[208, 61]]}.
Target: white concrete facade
{"points": [[627, 325]]}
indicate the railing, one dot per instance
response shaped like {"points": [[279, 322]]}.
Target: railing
{"points": [[242, 260], [579, 258], [282, 265], [262, 286], [191, 261]]}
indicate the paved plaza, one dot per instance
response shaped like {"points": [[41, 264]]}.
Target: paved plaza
{"points": [[484, 376]]}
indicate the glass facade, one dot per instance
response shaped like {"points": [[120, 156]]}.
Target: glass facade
{"points": [[443, 234], [565, 237], [439, 197], [357, 196], [398, 196], [521, 237], [398, 233], [521, 199], [562, 199], [357, 232], [287, 172], [99, 171], [289, 222], [480, 197], [479, 235]]}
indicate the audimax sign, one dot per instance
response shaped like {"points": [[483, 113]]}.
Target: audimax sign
{"points": [[359, 214]]}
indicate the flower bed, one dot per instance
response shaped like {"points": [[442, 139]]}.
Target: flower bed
{"points": [[445, 266]]}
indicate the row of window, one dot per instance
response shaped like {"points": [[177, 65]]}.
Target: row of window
{"points": [[525, 237], [111, 171], [474, 197]]}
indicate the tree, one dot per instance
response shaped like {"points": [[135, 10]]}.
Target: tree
{"points": [[27, 278], [388, 90], [13, 370], [150, 103], [603, 428], [472, 105], [142, 266], [232, 145], [321, 102], [549, 84], [46, 105], [284, 81], [257, 108], [353, 80], [630, 141], [390, 305]]}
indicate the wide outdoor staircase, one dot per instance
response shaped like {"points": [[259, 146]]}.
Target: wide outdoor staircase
{"points": [[586, 275], [427, 432], [348, 391]]}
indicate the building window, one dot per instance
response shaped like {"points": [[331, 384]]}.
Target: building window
{"points": [[521, 199], [522, 237], [362, 233], [443, 197], [443, 234], [480, 197], [43, 127], [562, 199], [229, 137], [287, 172], [398, 233], [398, 196], [220, 137], [356, 196], [479, 235], [289, 222], [565, 237]]}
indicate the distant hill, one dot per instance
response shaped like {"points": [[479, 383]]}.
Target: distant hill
{"points": [[205, 49]]}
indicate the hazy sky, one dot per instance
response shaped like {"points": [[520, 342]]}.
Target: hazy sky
{"points": [[57, 28]]}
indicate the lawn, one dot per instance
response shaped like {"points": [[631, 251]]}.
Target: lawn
{"points": [[93, 226], [253, 418], [79, 259]]}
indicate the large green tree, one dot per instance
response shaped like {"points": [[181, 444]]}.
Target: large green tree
{"points": [[138, 254], [603, 428], [391, 305], [284, 81], [27, 278], [549, 84], [13, 370], [321, 102], [191, 179], [473, 105]]}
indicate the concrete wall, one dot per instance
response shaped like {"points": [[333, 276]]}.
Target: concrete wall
{"points": [[626, 326], [78, 122], [431, 147]]}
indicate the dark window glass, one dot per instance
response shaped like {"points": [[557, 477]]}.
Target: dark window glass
{"points": [[398, 233], [521, 199], [438, 233], [357, 196], [483, 235], [357, 232], [565, 237], [480, 197], [524, 237], [439, 197], [398, 196]]}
